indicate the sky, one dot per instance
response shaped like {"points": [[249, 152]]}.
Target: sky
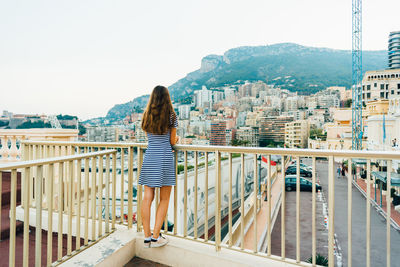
{"points": [[83, 57]]}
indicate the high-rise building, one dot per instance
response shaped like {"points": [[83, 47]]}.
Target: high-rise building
{"points": [[394, 50], [296, 134], [218, 133], [184, 112], [273, 129], [203, 97], [102, 134], [381, 84]]}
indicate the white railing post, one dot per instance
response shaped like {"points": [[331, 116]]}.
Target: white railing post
{"points": [[218, 200], [13, 202], [388, 210], [185, 196], [331, 213], [13, 148], [4, 151], [349, 211], [38, 226]]}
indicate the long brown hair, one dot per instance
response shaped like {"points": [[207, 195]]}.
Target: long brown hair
{"points": [[159, 112]]}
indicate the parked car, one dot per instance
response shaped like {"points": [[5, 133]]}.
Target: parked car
{"points": [[303, 172], [305, 185], [302, 165]]}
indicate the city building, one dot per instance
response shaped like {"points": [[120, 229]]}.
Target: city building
{"points": [[217, 96], [218, 133], [229, 136], [394, 50], [249, 135], [273, 129], [381, 131], [203, 98], [327, 101], [184, 112], [377, 107], [230, 94], [102, 134], [316, 120], [296, 134], [241, 119], [383, 125], [381, 84], [291, 103]]}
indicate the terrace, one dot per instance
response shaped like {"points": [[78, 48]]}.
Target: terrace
{"points": [[86, 195]]}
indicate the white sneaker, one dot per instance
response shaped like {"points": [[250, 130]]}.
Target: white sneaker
{"points": [[161, 241], [146, 243]]}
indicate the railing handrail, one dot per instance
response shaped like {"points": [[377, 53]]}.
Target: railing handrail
{"points": [[37, 162], [390, 155]]}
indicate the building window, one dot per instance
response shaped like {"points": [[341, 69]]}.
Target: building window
{"points": [[387, 86], [382, 95], [382, 86], [368, 95], [375, 84], [368, 87], [398, 86], [392, 92]]}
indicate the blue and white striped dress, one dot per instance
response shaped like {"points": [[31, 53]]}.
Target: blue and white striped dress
{"points": [[158, 168]]}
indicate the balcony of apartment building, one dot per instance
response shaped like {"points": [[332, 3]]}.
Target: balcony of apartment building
{"points": [[78, 204]]}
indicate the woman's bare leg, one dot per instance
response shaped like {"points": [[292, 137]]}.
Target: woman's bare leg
{"points": [[145, 209], [162, 209]]}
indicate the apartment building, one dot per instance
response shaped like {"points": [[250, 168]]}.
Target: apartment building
{"points": [[218, 133], [249, 135], [296, 134], [380, 84], [273, 129]]}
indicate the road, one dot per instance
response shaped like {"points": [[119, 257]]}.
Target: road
{"points": [[305, 228], [378, 224]]}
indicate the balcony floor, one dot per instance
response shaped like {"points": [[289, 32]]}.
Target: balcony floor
{"points": [[136, 261]]}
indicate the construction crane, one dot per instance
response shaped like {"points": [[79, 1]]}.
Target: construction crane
{"points": [[356, 53], [54, 122]]}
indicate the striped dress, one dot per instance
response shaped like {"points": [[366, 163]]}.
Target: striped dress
{"points": [[158, 168]]}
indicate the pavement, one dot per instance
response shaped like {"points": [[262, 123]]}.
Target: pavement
{"points": [[375, 195], [262, 215], [378, 223], [305, 228], [136, 261]]}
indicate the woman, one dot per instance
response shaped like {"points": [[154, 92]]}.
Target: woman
{"points": [[158, 170]]}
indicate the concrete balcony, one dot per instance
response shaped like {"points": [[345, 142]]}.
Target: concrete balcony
{"points": [[10, 140], [228, 207]]}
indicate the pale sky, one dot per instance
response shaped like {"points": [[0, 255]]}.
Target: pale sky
{"points": [[83, 57]]}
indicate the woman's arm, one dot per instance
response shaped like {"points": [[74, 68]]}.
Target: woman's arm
{"points": [[173, 139]]}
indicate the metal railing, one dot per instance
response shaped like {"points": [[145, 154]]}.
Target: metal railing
{"points": [[204, 159], [61, 179]]}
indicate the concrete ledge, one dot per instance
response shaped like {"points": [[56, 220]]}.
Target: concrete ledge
{"points": [[121, 246], [117, 249], [182, 252]]}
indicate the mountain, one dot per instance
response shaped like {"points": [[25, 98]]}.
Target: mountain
{"points": [[120, 111], [287, 65]]}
